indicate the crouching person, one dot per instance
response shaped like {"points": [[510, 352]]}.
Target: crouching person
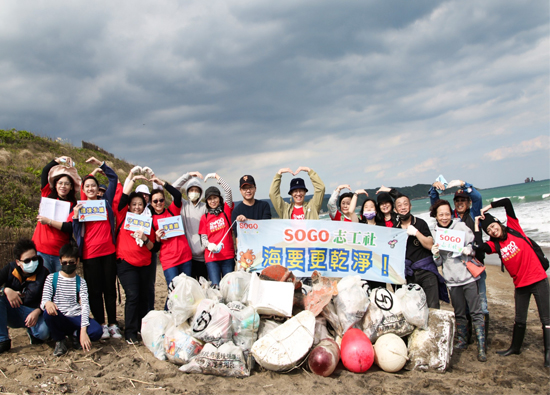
{"points": [[21, 284], [66, 307]]}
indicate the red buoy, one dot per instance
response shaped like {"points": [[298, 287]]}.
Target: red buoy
{"points": [[356, 351], [324, 358]]}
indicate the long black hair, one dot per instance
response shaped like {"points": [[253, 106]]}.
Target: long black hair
{"points": [[71, 196], [362, 219]]}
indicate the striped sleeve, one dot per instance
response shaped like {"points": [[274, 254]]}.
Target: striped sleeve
{"points": [[228, 194], [47, 292], [84, 304]]}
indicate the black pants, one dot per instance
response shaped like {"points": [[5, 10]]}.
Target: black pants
{"points": [[466, 297], [428, 281], [100, 275], [152, 281], [522, 296], [135, 280], [199, 269]]}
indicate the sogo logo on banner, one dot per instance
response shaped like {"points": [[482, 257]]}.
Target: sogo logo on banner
{"points": [[311, 235], [244, 225], [452, 239]]}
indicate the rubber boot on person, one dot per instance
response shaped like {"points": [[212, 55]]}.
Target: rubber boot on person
{"points": [[481, 343]]}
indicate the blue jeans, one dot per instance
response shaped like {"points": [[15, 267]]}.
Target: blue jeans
{"points": [[62, 325], [483, 292], [171, 273], [15, 318], [218, 269], [51, 262]]}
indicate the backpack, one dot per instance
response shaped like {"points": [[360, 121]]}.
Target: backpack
{"points": [[54, 285], [540, 254]]}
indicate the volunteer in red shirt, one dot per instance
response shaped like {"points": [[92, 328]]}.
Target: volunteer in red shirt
{"points": [[345, 210], [214, 231], [524, 266], [59, 181], [386, 215], [175, 253], [96, 242], [133, 251]]}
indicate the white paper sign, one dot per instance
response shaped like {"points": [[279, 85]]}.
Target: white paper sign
{"points": [[450, 239], [57, 210], [172, 226], [92, 210], [135, 222]]}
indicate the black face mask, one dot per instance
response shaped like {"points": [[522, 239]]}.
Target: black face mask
{"points": [[405, 218], [69, 269]]}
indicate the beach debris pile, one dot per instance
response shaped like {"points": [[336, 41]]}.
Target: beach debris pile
{"points": [[273, 321]]}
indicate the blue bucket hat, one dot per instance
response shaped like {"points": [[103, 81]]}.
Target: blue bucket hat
{"points": [[297, 183]]}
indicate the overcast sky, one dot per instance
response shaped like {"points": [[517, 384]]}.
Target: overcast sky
{"points": [[365, 93]]}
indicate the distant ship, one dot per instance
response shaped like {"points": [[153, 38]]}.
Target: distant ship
{"points": [[529, 180]]}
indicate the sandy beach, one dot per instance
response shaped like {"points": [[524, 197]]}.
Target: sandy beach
{"points": [[113, 367]]}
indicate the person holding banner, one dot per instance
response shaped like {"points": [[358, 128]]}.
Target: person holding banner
{"points": [[419, 264], [133, 250], [59, 181], [215, 232], [524, 261], [96, 242], [346, 204], [175, 254], [298, 209], [462, 285]]}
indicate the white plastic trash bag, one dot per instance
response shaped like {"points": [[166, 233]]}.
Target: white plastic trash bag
{"points": [[227, 361], [234, 286], [245, 324], [431, 349], [212, 322], [184, 294], [414, 304], [153, 328], [179, 346], [351, 302], [385, 315], [209, 292]]}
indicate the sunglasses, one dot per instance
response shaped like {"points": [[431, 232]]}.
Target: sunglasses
{"points": [[460, 200], [28, 260], [71, 262], [158, 201]]}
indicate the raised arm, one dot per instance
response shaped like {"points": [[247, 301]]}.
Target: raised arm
{"points": [[434, 195], [227, 189], [275, 192], [319, 194], [332, 204]]}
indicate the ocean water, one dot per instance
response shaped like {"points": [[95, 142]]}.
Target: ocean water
{"points": [[531, 203]]}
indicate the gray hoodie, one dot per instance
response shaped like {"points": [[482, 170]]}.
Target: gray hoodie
{"points": [[454, 270], [191, 215]]}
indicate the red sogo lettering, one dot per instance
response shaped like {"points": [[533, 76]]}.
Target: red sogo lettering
{"points": [[244, 225], [311, 235], [452, 239]]}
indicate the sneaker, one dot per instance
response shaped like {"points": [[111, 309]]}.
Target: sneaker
{"points": [[114, 331], [5, 346], [60, 348], [75, 341], [105, 334]]}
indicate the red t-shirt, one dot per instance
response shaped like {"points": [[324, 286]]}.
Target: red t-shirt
{"points": [[298, 213], [49, 240], [339, 217], [98, 240], [214, 227], [175, 250], [127, 248], [519, 258], [389, 224]]}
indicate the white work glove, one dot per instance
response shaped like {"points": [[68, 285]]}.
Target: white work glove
{"points": [[209, 175], [212, 247], [435, 250], [148, 171], [136, 170], [467, 251], [411, 230], [454, 183]]}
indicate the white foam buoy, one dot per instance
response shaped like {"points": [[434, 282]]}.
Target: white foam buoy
{"points": [[283, 347]]}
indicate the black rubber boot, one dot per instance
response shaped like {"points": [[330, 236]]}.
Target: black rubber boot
{"points": [[469, 330], [546, 335], [461, 334], [5, 346], [481, 345], [517, 340], [486, 317]]}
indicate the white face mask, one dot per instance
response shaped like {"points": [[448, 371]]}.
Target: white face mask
{"points": [[194, 196], [30, 267]]}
